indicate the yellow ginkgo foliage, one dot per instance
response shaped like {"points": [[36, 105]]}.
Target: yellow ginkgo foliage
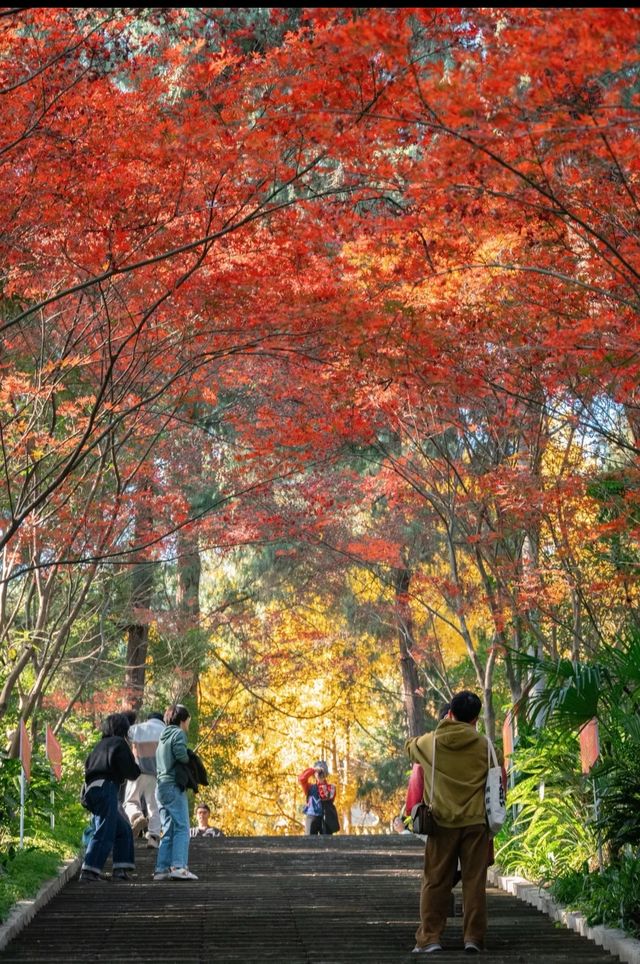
{"points": [[291, 685]]}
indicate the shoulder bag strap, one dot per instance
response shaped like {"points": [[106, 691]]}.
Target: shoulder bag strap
{"points": [[433, 769], [491, 754]]}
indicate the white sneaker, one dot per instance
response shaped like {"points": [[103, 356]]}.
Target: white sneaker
{"points": [[153, 842], [162, 875], [429, 949], [182, 873]]}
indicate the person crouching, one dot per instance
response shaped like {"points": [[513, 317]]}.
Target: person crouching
{"points": [[108, 765]]}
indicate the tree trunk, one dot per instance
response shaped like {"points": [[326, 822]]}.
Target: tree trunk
{"points": [[188, 593], [138, 635], [412, 697]]}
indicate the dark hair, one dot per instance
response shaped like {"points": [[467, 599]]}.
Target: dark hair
{"points": [[116, 724], [131, 715], [203, 806], [156, 716], [175, 714], [466, 706], [443, 711]]}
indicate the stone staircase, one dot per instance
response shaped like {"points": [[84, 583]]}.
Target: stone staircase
{"points": [[294, 900]]}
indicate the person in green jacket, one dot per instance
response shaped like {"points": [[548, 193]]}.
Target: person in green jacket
{"points": [[461, 766], [173, 852]]}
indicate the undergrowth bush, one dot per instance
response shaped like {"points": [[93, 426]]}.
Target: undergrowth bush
{"points": [[22, 871], [611, 897], [549, 831]]}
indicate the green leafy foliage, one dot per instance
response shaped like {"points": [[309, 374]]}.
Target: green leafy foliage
{"points": [[9, 804], [611, 897], [570, 693], [23, 870], [547, 834]]}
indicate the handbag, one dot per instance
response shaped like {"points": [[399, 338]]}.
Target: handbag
{"points": [[494, 796], [423, 820], [330, 819]]}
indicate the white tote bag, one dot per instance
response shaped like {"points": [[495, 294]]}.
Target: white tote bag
{"points": [[494, 797]]}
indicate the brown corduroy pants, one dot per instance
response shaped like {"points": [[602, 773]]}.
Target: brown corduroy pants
{"points": [[471, 845]]}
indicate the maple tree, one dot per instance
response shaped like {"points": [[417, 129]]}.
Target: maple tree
{"points": [[230, 279]]}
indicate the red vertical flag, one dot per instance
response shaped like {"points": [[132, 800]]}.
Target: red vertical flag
{"points": [[25, 750], [54, 753], [507, 737], [589, 745]]}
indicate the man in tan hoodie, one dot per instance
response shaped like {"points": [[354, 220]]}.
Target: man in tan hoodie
{"points": [[461, 767]]}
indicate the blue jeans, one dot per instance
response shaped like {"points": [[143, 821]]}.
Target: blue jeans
{"points": [[112, 831], [174, 824]]}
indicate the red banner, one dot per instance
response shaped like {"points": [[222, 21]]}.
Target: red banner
{"points": [[589, 745], [54, 753], [25, 750], [507, 737]]}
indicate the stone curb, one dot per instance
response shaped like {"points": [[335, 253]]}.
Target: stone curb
{"points": [[611, 939], [25, 910]]}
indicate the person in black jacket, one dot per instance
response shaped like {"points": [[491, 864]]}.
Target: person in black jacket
{"points": [[106, 768]]}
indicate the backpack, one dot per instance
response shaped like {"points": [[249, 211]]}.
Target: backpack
{"points": [[330, 819]]}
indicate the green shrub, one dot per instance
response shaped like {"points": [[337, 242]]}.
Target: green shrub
{"points": [[548, 832], [611, 897], [22, 871]]}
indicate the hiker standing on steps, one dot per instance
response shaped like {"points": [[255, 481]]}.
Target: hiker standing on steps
{"points": [[108, 765], [458, 805], [173, 853], [320, 813]]}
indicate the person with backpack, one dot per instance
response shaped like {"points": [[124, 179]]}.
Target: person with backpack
{"points": [[320, 813]]}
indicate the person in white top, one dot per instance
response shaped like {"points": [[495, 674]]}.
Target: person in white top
{"points": [[140, 794]]}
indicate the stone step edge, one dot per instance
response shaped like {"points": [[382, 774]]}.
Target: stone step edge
{"points": [[25, 910], [612, 939]]}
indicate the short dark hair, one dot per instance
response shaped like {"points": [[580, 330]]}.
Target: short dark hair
{"points": [[156, 716], [175, 714], [203, 806], [116, 724], [466, 706]]}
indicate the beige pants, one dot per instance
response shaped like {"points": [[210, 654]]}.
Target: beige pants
{"points": [[471, 845], [144, 788]]}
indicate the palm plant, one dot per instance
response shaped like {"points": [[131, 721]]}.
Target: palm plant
{"points": [[568, 694], [547, 835]]}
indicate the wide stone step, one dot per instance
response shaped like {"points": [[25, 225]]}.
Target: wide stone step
{"points": [[295, 900]]}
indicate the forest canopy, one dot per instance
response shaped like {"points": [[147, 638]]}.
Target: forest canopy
{"points": [[319, 372]]}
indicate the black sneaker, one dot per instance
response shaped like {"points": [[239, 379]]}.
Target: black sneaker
{"points": [[91, 877], [121, 874], [470, 947]]}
